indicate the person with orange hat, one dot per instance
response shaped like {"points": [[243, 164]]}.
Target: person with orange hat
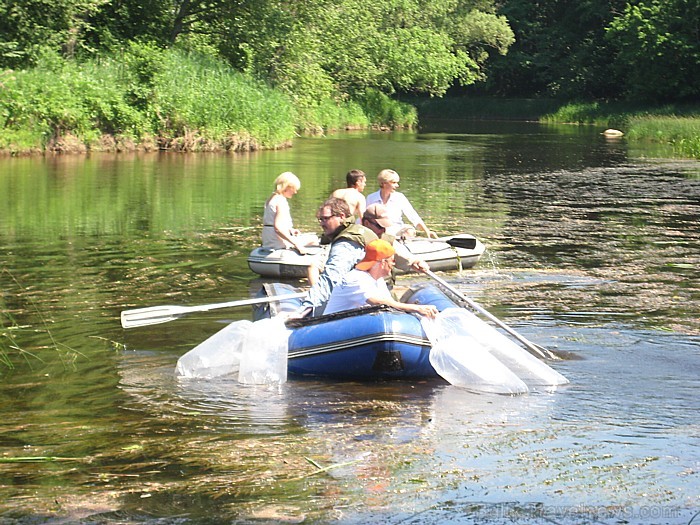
{"points": [[365, 284], [347, 247]]}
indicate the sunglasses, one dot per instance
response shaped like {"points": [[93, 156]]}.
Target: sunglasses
{"points": [[325, 219]]}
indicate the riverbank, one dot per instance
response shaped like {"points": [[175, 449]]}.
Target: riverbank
{"points": [[153, 99], [675, 125]]}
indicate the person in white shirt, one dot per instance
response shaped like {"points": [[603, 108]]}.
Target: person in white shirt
{"points": [[397, 205], [365, 285], [278, 230]]}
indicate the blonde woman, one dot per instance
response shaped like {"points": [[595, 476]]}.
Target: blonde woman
{"points": [[397, 205], [278, 229]]}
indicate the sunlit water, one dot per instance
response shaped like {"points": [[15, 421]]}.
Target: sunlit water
{"points": [[593, 251]]}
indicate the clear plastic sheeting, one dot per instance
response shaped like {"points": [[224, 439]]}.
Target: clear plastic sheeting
{"points": [[471, 354], [264, 353], [462, 362], [216, 356]]}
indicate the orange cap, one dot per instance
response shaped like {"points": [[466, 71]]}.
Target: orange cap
{"points": [[377, 250]]}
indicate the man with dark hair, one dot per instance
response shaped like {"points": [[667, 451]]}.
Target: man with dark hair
{"points": [[356, 181], [347, 247]]}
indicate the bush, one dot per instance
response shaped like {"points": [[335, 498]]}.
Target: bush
{"points": [[382, 110], [189, 101]]}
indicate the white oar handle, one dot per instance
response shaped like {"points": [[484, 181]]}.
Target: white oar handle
{"points": [[163, 314]]}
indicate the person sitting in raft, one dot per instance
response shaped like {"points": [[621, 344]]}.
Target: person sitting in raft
{"points": [[347, 247], [397, 206], [278, 229], [365, 284], [377, 219], [352, 194]]}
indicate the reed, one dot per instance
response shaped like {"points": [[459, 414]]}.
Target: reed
{"points": [[676, 125], [682, 133], [381, 110], [148, 97], [200, 95]]}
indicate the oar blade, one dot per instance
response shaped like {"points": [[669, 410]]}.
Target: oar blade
{"points": [[151, 315], [467, 242], [463, 362]]}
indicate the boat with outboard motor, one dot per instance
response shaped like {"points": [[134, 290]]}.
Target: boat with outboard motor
{"points": [[453, 252]]}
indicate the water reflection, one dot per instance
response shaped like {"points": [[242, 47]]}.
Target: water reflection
{"points": [[592, 251]]}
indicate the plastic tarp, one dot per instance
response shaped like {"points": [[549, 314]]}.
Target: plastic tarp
{"points": [[216, 356], [471, 354], [264, 353], [255, 351]]}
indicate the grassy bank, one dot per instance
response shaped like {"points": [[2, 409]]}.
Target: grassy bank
{"points": [[676, 125], [148, 98]]}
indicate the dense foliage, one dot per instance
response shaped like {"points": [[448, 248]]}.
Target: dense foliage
{"points": [[329, 63], [312, 49], [316, 50], [641, 50], [158, 99]]}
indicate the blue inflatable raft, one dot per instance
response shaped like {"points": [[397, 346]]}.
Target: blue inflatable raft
{"points": [[369, 343]]}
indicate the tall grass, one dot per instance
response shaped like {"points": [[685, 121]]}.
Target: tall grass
{"points": [[195, 93], [682, 133], [384, 111], [676, 125], [330, 115], [41, 106], [147, 97]]}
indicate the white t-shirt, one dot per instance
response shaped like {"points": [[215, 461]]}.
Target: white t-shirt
{"points": [[353, 292], [277, 205]]}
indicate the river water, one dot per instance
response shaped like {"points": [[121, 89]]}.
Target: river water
{"points": [[593, 249]]}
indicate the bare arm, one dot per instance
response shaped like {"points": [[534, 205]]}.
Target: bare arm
{"points": [[427, 310], [288, 234]]}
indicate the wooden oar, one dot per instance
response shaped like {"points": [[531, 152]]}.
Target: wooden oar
{"points": [[538, 350], [163, 314]]}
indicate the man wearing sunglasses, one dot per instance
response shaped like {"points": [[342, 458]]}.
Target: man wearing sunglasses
{"points": [[347, 247], [365, 284]]}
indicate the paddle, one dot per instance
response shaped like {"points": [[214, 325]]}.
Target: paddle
{"points": [[540, 351], [163, 314], [456, 241]]}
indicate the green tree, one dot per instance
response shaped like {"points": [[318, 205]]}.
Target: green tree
{"points": [[354, 45], [658, 44], [28, 26], [311, 49], [560, 50]]}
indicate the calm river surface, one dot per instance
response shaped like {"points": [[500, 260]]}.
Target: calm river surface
{"points": [[593, 250]]}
